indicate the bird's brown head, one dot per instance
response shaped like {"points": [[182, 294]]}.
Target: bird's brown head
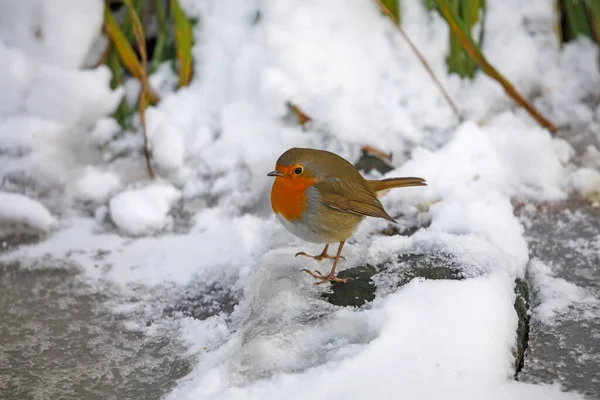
{"points": [[296, 168]]}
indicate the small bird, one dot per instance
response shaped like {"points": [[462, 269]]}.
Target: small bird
{"points": [[321, 198]]}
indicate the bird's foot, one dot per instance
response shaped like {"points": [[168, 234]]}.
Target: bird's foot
{"points": [[320, 257], [325, 278]]}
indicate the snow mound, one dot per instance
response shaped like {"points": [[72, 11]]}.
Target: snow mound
{"points": [[32, 26], [20, 209], [585, 181], [145, 210], [94, 185]]}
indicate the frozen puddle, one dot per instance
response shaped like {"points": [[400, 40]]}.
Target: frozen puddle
{"points": [[61, 340]]}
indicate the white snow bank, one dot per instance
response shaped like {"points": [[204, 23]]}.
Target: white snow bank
{"points": [[17, 208], [472, 179], [432, 339], [58, 33], [72, 97], [144, 210]]}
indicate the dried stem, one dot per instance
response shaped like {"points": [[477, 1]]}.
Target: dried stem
{"points": [[391, 16], [146, 92], [473, 51], [143, 104]]}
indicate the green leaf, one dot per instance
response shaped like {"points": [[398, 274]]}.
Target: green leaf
{"points": [[122, 45], [577, 18], [158, 55], [138, 31], [123, 111], [392, 6], [183, 37], [593, 7], [470, 11]]}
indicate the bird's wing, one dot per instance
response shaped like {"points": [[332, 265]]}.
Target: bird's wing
{"points": [[351, 198]]}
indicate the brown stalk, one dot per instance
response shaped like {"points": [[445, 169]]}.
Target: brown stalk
{"points": [[475, 54], [303, 119], [391, 16], [146, 92], [143, 105]]}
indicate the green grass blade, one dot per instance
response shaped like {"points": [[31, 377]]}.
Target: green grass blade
{"points": [[577, 18], [123, 111], [161, 37], [593, 7], [138, 31], [392, 6], [470, 10], [454, 59], [430, 5], [183, 37], [384, 10], [127, 26], [122, 45], [560, 36]]}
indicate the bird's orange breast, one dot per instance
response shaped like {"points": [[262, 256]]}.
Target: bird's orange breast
{"points": [[288, 196]]}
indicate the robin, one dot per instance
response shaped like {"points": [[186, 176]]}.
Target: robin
{"points": [[321, 198]]}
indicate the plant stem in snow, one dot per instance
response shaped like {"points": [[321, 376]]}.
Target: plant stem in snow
{"points": [[391, 16]]}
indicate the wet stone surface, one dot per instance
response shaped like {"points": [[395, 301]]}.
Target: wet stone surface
{"points": [[11, 237], [202, 302], [59, 340], [567, 350], [361, 289]]}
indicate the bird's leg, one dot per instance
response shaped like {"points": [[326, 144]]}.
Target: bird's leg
{"points": [[320, 257], [331, 276]]}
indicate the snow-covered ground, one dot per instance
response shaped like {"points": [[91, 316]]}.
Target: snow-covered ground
{"points": [[207, 218]]}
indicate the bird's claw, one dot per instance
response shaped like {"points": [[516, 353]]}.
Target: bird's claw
{"points": [[325, 278], [320, 257]]}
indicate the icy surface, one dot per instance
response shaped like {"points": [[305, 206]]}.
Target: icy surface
{"points": [[207, 223]]}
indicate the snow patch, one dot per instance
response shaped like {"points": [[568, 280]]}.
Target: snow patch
{"points": [[94, 185], [20, 209], [554, 295], [143, 211]]}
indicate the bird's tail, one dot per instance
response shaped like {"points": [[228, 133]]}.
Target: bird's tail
{"points": [[381, 187]]}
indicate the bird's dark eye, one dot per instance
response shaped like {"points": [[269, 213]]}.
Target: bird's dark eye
{"points": [[298, 171]]}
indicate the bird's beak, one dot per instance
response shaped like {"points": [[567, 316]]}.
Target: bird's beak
{"points": [[275, 173]]}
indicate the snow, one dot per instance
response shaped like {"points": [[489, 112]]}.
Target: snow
{"points": [[19, 209], [555, 294], [166, 141], [94, 185], [34, 27], [585, 180], [143, 210], [207, 218], [393, 348], [73, 98]]}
